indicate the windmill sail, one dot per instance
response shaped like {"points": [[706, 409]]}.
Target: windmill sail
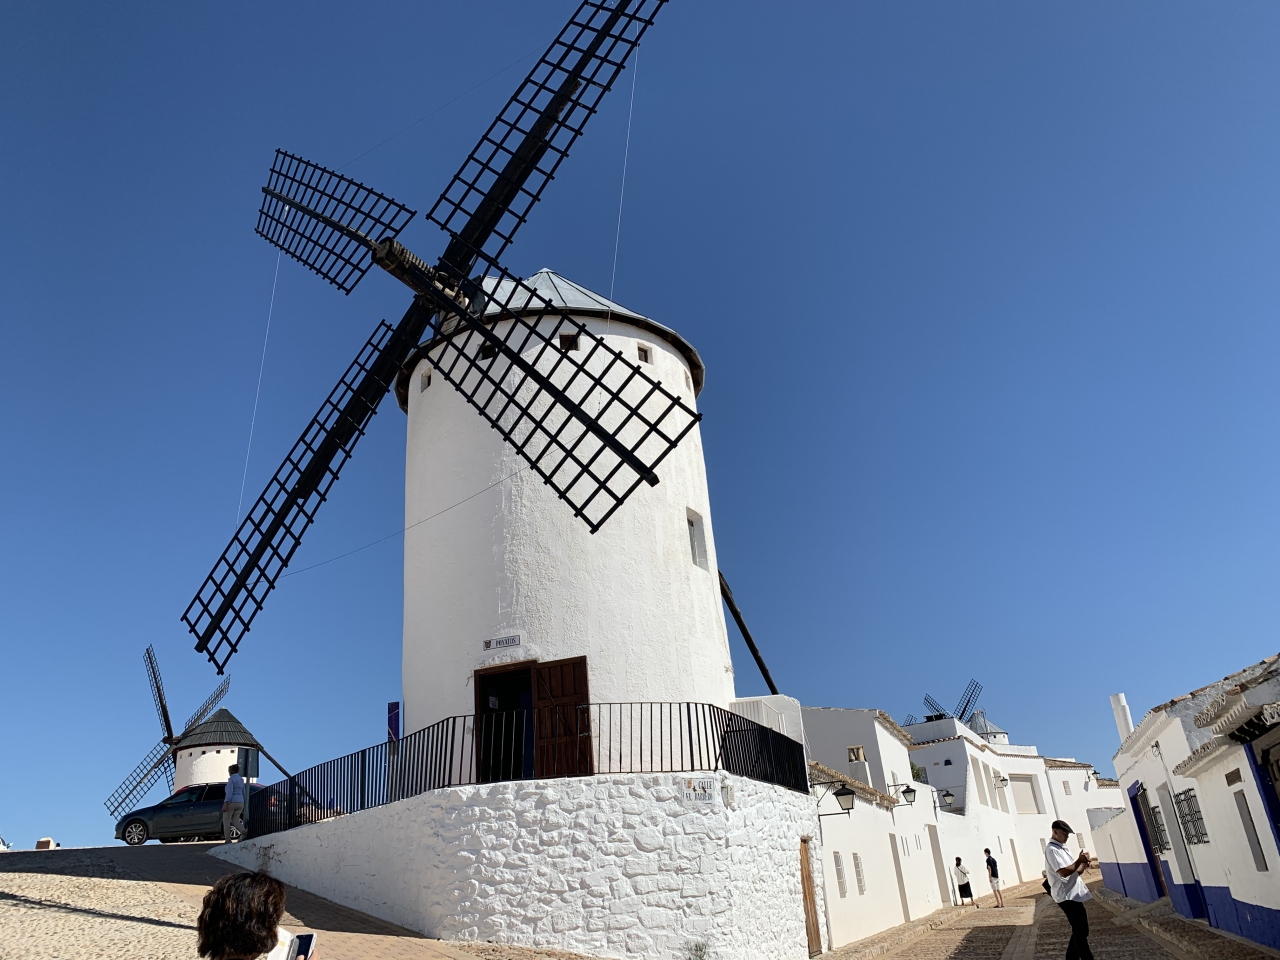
{"points": [[156, 764], [157, 692], [489, 335], [935, 708], [206, 708], [964, 709], [495, 189]]}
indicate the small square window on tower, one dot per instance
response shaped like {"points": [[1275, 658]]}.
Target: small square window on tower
{"points": [[697, 540], [424, 381], [645, 354], [488, 351], [568, 343]]}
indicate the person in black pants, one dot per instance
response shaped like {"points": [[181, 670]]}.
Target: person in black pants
{"points": [[1068, 889]]}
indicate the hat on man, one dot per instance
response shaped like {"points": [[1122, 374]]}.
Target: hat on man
{"points": [[1061, 825]]}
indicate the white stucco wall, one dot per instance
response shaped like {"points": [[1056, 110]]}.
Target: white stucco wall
{"points": [[618, 866], [206, 764], [514, 560]]}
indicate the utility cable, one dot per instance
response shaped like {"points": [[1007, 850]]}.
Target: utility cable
{"points": [[622, 192], [374, 543], [258, 390]]}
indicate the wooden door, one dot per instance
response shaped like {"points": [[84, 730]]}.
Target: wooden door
{"points": [[811, 931], [562, 724]]}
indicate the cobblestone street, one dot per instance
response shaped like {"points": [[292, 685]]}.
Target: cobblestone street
{"points": [[141, 903]]}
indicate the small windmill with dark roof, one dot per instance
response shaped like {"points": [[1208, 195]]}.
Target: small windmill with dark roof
{"points": [[188, 757]]}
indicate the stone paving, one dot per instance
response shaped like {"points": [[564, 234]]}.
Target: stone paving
{"points": [[141, 903]]}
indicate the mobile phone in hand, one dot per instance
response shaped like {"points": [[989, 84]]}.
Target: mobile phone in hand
{"points": [[301, 946]]}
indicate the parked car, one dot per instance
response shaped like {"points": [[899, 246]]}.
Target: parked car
{"points": [[193, 813]]}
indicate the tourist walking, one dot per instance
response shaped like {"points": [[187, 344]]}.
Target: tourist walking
{"points": [[233, 806], [993, 876], [1068, 888], [962, 883]]}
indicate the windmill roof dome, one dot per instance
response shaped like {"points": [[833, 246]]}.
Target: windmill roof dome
{"points": [[576, 300], [222, 729], [979, 723]]}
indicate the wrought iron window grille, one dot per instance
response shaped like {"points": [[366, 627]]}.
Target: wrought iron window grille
{"points": [[1189, 815], [1154, 820]]}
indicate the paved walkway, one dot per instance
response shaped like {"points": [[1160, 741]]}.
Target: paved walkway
{"points": [[1029, 927], [141, 903]]}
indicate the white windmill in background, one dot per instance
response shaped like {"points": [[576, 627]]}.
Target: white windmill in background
{"points": [[200, 753]]}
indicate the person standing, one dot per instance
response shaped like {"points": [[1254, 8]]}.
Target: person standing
{"points": [[962, 883], [233, 805], [1068, 889], [993, 876]]}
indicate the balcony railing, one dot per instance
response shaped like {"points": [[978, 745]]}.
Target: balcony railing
{"points": [[539, 744]]}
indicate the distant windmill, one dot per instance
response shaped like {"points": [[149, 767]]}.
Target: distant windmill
{"points": [[587, 419], [963, 711], [159, 761]]}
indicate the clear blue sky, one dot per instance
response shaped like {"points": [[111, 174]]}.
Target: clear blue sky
{"points": [[987, 294]]}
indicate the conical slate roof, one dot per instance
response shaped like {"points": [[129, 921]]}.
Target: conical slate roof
{"points": [[222, 729], [980, 725], [576, 300]]}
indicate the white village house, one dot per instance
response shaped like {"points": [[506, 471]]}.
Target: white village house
{"points": [[1201, 817], [924, 795]]}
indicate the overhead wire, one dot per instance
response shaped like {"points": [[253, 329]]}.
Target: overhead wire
{"points": [[416, 523], [257, 392], [622, 192]]}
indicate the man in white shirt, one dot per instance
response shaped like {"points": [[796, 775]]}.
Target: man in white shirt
{"points": [[1068, 889]]}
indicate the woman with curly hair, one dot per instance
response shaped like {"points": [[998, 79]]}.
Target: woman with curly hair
{"points": [[240, 919]]}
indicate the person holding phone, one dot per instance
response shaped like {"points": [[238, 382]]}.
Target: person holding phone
{"points": [[240, 920], [1068, 890]]}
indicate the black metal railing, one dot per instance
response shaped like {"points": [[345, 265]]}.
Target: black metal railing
{"points": [[543, 743]]}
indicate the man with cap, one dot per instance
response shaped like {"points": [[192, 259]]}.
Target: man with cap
{"points": [[1068, 889]]}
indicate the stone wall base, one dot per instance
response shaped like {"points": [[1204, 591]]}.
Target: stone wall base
{"points": [[627, 866]]}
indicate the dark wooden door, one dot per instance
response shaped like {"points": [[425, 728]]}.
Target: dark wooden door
{"points": [[562, 719]]}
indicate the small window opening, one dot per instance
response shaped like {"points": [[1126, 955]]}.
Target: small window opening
{"points": [[568, 343], [697, 540], [857, 873], [688, 384], [424, 381], [946, 762], [839, 862], [645, 354], [488, 350], [1066, 788]]}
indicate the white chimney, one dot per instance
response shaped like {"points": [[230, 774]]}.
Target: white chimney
{"points": [[1124, 719]]}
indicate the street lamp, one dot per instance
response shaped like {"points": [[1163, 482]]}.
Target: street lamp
{"points": [[948, 797], [1002, 782], [909, 795], [844, 796]]}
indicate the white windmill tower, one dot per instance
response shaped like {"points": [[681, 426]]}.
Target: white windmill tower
{"points": [[568, 569], [508, 594]]}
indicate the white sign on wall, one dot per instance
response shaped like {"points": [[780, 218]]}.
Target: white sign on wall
{"points": [[698, 789], [502, 642]]}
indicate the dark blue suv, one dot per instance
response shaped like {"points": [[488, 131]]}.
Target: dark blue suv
{"points": [[193, 813]]}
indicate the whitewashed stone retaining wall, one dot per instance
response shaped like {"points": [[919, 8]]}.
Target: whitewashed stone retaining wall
{"points": [[617, 866]]}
